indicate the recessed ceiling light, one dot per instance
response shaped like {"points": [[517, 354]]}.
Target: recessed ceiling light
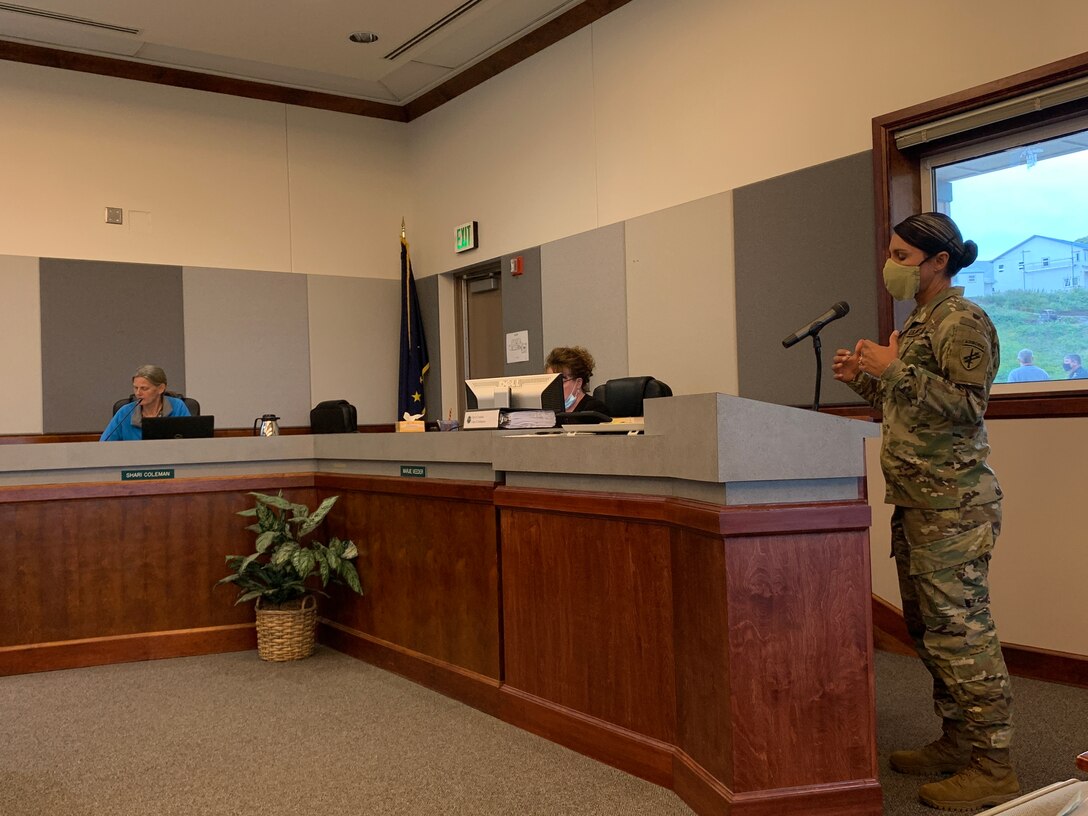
{"points": [[363, 37]]}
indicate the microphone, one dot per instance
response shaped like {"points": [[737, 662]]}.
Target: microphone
{"points": [[136, 401], [834, 313]]}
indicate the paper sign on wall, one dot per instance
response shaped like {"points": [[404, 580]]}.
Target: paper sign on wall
{"points": [[517, 347]]}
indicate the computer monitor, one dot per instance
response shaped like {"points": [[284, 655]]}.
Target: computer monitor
{"points": [[540, 391], [179, 427]]}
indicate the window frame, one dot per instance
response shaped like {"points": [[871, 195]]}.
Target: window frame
{"points": [[897, 181]]}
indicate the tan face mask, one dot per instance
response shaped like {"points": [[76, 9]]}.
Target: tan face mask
{"points": [[902, 282]]}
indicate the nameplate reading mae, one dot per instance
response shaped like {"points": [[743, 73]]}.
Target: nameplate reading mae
{"points": [[146, 474], [414, 471]]}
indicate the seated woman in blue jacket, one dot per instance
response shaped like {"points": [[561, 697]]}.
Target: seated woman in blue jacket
{"points": [[151, 400]]}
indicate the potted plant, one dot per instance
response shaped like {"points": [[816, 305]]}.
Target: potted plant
{"points": [[276, 575]]}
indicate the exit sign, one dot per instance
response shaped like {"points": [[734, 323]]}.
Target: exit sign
{"points": [[468, 236]]}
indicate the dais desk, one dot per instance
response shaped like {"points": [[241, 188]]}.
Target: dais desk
{"points": [[691, 605]]}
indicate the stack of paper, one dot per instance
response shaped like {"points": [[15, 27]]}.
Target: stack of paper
{"points": [[528, 419]]}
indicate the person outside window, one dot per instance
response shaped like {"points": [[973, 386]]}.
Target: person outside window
{"points": [[1028, 371]]}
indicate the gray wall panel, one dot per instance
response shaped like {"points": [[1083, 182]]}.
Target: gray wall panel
{"points": [[355, 344], [247, 345], [583, 288], [803, 241], [100, 321], [521, 310]]}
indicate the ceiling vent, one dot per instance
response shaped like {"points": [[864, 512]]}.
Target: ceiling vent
{"points": [[433, 28], [66, 18]]}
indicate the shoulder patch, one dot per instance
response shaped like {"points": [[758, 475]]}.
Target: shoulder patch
{"points": [[972, 353]]}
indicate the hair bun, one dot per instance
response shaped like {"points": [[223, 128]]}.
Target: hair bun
{"points": [[970, 253]]}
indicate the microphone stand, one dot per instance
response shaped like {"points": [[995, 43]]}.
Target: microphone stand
{"points": [[816, 346]]}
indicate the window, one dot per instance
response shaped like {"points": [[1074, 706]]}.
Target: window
{"points": [[1022, 198], [1007, 137]]}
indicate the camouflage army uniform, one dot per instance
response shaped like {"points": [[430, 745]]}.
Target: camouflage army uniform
{"points": [[947, 507]]}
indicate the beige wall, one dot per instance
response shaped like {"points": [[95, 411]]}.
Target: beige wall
{"points": [[348, 193], [664, 102], [516, 154], [681, 304], [20, 338], [204, 179]]}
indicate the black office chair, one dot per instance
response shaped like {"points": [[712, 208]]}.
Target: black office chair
{"points": [[190, 403], [624, 396], [334, 416]]}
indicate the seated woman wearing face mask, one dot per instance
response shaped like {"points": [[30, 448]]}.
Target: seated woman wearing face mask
{"points": [[576, 366]]}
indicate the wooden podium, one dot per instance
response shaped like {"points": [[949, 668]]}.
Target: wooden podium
{"points": [[722, 648], [691, 605]]}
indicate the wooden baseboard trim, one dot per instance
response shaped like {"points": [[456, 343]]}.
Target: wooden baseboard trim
{"points": [[621, 748], [890, 635], [100, 651], [465, 686], [709, 797], [859, 797], [703, 793]]}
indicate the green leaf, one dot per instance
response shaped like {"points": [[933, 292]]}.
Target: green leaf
{"points": [[303, 561], [249, 596], [252, 511], [284, 553], [228, 580], [350, 550], [351, 576], [265, 516], [318, 516], [279, 502], [265, 539]]}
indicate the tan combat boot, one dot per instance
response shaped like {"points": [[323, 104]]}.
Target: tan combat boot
{"points": [[989, 780], [945, 755]]}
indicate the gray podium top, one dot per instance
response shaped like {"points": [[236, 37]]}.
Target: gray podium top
{"points": [[709, 447]]}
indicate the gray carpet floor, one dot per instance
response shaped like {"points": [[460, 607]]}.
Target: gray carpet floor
{"points": [[227, 734]]}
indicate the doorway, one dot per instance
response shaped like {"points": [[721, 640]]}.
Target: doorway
{"points": [[480, 345]]}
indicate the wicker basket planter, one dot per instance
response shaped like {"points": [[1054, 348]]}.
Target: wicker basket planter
{"points": [[286, 632]]}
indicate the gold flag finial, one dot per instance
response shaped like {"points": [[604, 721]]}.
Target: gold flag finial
{"points": [[402, 233]]}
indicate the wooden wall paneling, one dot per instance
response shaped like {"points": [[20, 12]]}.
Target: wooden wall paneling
{"points": [[756, 595], [429, 566], [803, 695], [113, 577], [704, 727], [587, 606]]}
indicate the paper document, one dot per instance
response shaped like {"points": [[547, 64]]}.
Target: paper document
{"points": [[529, 419]]}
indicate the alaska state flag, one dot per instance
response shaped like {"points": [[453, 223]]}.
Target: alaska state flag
{"points": [[413, 345]]}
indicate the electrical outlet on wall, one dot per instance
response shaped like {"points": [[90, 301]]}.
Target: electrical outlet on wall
{"points": [[115, 215]]}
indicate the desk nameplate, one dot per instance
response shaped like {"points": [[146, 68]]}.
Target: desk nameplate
{"points": [[146, 474]]}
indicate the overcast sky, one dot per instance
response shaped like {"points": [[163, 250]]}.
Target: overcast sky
{"points": [[1000, 209]]}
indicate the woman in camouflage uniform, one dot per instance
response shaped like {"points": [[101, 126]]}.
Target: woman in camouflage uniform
{"points": [[932, 383]]}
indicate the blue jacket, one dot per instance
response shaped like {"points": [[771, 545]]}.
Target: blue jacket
{"points": [[122, 427]]}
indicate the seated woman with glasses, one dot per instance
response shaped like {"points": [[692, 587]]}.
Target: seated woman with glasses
{"points": [[576, 366]]}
